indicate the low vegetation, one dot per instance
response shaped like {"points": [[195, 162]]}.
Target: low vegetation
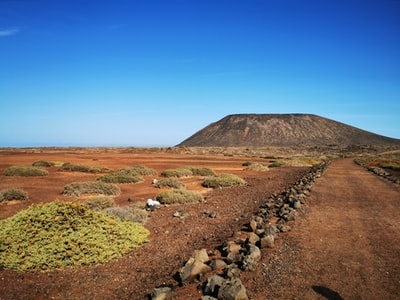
{"points": [[188, 171], [64, 234], [138, 169], [303, 162], [170, 183], [13, 194], [91, 187], [25, 171], [255, 166], [43, 163], [390, 162], [131, 174], [276, 164], [83, 168], [223, 180], [178, 172], [106, 204], [120, 177], [202, 171], [128, 213], [178, 196], [100, 202]]}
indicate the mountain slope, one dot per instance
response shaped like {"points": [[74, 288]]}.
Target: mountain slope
{"points": [[262, 130]]}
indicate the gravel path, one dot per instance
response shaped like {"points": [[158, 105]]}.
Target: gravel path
{"points": [[345, 245]]}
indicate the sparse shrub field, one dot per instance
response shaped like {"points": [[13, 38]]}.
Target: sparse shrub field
{"points": [[203, 223]]}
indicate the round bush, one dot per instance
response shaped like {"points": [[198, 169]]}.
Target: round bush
{"points": [[127, 213], [276, 164], [178, 196], [138, 169], [25, 171], [170, 182], [100, 202], [64, 234], [202, 171], [83, 168], [91, 187], [256, 166], [178, 172], [222, 180], [43, 163], [13, 194], [120, 177]]}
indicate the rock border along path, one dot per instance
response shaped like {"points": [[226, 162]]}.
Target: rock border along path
{"points": [[243, 253], [347, 244]]}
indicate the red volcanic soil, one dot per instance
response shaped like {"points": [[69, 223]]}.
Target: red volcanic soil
{"points": [[343, 243]]}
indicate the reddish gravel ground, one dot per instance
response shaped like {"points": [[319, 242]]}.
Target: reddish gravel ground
{"points": [[344, 242]]}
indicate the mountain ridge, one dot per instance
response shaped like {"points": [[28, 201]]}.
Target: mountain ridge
{"points": [[282, 130]]}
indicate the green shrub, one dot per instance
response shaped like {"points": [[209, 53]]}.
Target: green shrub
{"points": [[138, 169], [222, 180], [43, 163], [127, 213], [256, 166], [303, 162], [178, 172], [202, 171], [25, 171], [119, 177], [100, 202], [13, 194], [178, 196], [91, 187], [169, 182], [276, 164], [64, 234], [83, 168], [395, 166]]}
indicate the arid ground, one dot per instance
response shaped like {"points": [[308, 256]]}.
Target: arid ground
{"points": [[344, 242]]}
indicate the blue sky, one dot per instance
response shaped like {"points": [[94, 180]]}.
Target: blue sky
{"points": [[152, 73]]}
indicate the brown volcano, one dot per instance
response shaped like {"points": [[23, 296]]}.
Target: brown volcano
{"points": [[282, 130]]}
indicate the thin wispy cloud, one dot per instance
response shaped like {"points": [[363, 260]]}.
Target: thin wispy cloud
{"points": [[8, 31]]}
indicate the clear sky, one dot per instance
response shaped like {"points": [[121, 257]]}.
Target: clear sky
{"points": [[152, 73]]}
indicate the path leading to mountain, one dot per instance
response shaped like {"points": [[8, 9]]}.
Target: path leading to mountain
{"points": [[345, 245]]}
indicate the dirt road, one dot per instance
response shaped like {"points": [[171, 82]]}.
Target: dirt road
{"points": [[346, 245]]}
